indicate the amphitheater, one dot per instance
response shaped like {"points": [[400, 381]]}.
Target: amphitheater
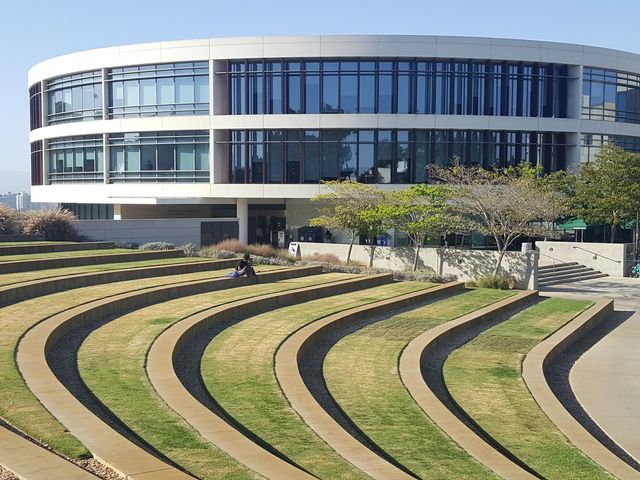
{"points": [[152, 365]]}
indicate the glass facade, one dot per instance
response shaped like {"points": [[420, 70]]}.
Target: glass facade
{"points": [[36, 163], [159, 157], [610, 95], [591, 144], [75, 159], [159, 90], [74, 98], [397, 86], [380, 156], [35, 106]]}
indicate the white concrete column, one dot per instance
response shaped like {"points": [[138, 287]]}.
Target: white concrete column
{"points": [[242, 212]]}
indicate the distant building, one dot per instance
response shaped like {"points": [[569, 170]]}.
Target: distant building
{"points": [[247, 128]]}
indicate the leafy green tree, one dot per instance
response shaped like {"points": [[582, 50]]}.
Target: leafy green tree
{"points": [[608, 189], [420, 211], [503, 204], [348, 207]]}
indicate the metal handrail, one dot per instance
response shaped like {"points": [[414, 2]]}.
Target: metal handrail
{"points": [[598, 254]]}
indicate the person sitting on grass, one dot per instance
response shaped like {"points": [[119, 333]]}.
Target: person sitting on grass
{"points": [[244, 268]]}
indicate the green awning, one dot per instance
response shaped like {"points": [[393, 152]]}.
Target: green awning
{"points": [[573, 224]]}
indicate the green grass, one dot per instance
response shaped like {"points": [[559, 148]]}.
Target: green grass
{"points": [[484, 377], [361, 372], [18, 405], [238, 370], [78, 253], [11, 278], [112, 364]]}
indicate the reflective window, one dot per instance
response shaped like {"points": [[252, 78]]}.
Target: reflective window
{"points": [[164, 157], [400, 86], [35, 106], [75, 159], [592, 143], [610, 95], [161, 90], [74, 98], [382, 156]]}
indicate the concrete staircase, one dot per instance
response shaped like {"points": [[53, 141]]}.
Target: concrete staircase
{"points": [[565, 273]]}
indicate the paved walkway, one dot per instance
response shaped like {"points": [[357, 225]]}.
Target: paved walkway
{"points": [[606, 379]]}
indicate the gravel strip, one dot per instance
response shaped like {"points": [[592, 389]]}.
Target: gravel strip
{"points": [[6, 474], [90, 464], [557, 375]]}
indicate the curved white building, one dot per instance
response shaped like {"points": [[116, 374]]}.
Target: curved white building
{"points": [[247, 127]]}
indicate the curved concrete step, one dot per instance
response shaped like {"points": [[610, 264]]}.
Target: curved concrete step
{"points": [[411, 363], [53, 247], [293, 350], [76, 261], [211, 426], [533, 373], [105, 443], [24, 290]]}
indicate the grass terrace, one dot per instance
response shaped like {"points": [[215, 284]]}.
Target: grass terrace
{"points": [[361, 372], [12, 278], [485, 379], [78, 253], [112, 364], [238, 370], [18, 405]]}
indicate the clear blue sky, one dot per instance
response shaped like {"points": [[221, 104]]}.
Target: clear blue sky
{"points": [[34, 30]]}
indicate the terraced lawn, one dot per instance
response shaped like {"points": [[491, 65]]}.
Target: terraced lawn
{"points": [[18, 405], [490, 368], [79, 253], [12, 278], [238, 370], [112, 363], [361, 372]]}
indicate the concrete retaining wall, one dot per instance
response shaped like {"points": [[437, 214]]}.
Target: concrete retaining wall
{"points": [[178, 231], [53, 247], [611, 258], [464, 264]]}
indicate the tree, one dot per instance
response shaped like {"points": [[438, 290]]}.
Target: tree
{"points": [[503, 204], [344, 207], [608, 189], [420, 211]]}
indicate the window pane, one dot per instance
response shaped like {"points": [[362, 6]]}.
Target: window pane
{"points": [[312, 90], [367, 95], [166, 91], [202, 157], [131, 93], [148, 157], [148, 88], [312, 156], [330, 93], [185, 157], [348, 93], [202, 89], [385, 94], [293, 88], [132, 158], [165, 157], [184, 90]]}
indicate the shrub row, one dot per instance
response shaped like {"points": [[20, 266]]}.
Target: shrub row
{"points": [[52, 224]]}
